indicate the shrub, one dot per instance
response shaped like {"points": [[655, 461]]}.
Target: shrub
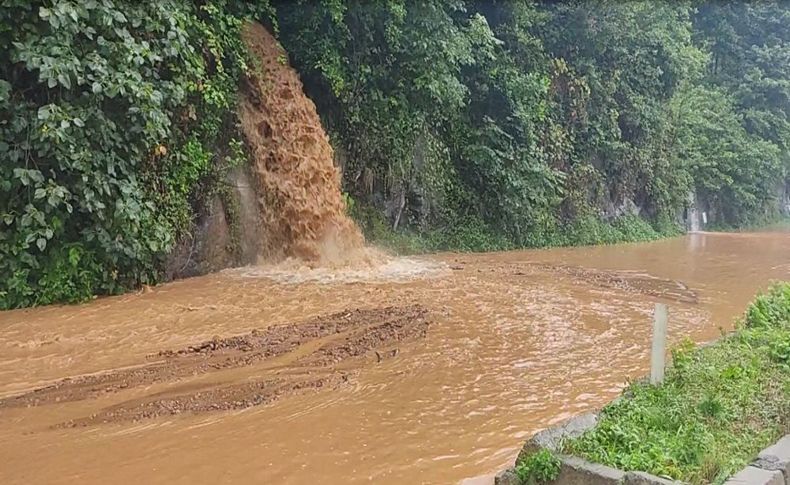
{"points": [[540, 467], [112, 114]]}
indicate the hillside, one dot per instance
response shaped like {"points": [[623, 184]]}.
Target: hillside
{"points": [[453, 125]]}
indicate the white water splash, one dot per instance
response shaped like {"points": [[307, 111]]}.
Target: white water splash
{"points": [[388, 270]]}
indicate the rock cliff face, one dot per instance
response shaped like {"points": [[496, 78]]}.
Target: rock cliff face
{"points": [[227, 233]]}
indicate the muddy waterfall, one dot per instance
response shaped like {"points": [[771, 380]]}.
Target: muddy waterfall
{"points": [[302, 210]]}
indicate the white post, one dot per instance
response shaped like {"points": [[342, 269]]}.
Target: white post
{"points": [[658, 355]]}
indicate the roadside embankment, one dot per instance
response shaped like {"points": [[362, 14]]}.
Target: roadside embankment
{"points": [[719, 406]]}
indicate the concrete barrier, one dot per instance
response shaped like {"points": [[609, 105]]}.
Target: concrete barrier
{"points": [[756, 476]]}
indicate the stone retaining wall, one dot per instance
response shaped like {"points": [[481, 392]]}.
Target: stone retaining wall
{"points": [[772, 466]]}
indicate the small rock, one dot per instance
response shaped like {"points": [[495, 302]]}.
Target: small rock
{"points": [[551, 438]]}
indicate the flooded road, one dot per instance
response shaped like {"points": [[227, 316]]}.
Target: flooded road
{"points": [[432, 370]]}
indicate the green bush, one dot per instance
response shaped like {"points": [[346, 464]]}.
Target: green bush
{"points": [[590, 230], [770, 309], [112, 116], [469, 234], [540, 467], [780, 352]]}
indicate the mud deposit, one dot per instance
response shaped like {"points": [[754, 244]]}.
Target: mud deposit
{"points": [[310, 351], [628, 281]]}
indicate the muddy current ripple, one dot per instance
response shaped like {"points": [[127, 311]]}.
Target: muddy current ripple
{"points": [[423, 370]]}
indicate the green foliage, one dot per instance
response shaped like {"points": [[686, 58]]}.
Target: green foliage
{"points": [[485, 111], [424, 100], [70, 276], [539, 467], [110, 116], [748, 42], [589, 231], [379, 231], [735, 172], [631, 57], [468, 234], [780, 352], [471, 234], [717, 408], [462, 124], [749, 49], [770, 309]]}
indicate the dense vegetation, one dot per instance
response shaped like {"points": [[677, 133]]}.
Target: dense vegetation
{"points": [[718, 407], [115, 119], [476, 124], [533, 123]]}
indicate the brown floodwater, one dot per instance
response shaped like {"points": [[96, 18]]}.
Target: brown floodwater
{"points": [[424, 370]]}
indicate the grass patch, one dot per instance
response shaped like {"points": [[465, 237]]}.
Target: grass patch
{"points": [[781, 224], [718, 407], [539, 467], [472, 234], [775, 223]]}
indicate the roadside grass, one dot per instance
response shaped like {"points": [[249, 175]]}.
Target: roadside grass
{"points": [[718, 407], [781, 224], [472, 234], [776, 223], [540, 467]]}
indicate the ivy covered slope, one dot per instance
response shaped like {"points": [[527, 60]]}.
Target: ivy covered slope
{"points": [[475, 124], [508, 123], [115, 119]]}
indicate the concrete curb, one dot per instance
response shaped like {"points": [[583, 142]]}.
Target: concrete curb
{"points": [[551, 438], [772, 466], [756, 476], [577, 471], [776, 457]]}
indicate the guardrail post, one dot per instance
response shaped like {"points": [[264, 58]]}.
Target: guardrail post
{"points": [[659, 348]]}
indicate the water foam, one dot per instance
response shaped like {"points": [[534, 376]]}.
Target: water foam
{"points": [[391, 269]]}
